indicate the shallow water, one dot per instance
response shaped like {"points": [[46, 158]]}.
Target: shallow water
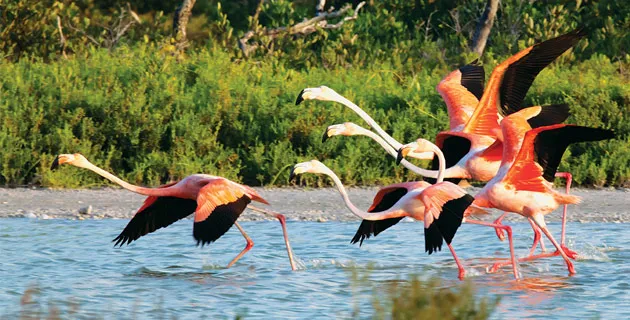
{"points": [[72, 266]]}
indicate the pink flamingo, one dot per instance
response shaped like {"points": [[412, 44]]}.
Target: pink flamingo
{"points": [[530, 160], [442, 207], [217, 203]]}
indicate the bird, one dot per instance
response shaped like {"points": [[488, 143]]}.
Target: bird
{"points": [[523, 184], [524, 115], [441, 206], [216, 201]]}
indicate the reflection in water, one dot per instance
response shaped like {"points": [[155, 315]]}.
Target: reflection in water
{"points": [[74, 261]]}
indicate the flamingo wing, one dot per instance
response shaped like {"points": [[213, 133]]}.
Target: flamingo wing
{"points": [[454, 147], [155, 213], [384, 199], [445, 204], [219, 204], [473, 77], [461, 91], [527, 64], [541, 152], [550, 115]]}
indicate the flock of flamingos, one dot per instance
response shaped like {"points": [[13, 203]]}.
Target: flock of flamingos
{"points": [[492, 138]]}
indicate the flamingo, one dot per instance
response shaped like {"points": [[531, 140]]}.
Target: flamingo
{"points": [[216, 201], [442, 206], [523, 184], [470, 148]]}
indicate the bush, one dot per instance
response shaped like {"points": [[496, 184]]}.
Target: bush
{"points": [[152, 119]]}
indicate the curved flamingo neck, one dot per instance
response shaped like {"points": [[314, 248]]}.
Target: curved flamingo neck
{"points": [[441, 163], [341, 99], [157, 192], [372, 216], [417, 170]]}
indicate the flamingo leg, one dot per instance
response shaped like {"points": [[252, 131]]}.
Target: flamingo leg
{"points": [[537, 238], [462, 271], [283, 223], [499, 231], [498, 265], [540, 221], [249, 245], [569, 177], [507, 229]]}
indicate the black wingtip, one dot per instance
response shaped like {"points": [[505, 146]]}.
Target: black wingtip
{"points": [[399, 156], [299, 97], [325, 136], [55, 163], [444, 228], [292, 175]]}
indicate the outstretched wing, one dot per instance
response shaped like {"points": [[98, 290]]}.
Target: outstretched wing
{"points": [[384, 199], [219, 204], [541, 152], [527, 64], [454, 147], [445, 204], [155, 213], [461, 91]]}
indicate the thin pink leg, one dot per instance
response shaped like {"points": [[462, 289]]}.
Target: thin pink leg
{"points": [[508, 229], [462, 271], [536, 237], [569, 177], [248, 246], [562, 253], [499, 231], [283, 223]]}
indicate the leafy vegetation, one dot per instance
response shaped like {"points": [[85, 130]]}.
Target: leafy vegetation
{"points": [[152, 115], [425, 299]]}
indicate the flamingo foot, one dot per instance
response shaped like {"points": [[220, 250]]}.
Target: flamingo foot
{"points": [[462, 274], [499, 231], [570, 253]]}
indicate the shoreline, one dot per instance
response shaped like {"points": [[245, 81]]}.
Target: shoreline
{"points": [[297, 204]]}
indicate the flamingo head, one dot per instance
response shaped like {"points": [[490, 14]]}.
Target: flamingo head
{"points": [[77, 160], [322, 93], [313, 166], [420, 149], [342, 129]]}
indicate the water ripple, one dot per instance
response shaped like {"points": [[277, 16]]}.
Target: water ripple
{"points": [[73, 265]]}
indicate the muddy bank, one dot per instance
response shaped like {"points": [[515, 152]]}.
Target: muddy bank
{"points": [[609, 205]]}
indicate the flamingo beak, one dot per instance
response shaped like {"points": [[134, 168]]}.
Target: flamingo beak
{"points": [[297, 169], [55, 163], [402, 153], [300, 97], [329, 133]]}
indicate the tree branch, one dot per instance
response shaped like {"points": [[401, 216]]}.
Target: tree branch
{"points": [[303, 28], [485, 25], [62, 38], [180, 22]]}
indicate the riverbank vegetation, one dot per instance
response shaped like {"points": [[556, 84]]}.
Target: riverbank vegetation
{"points": [[153, 108]]}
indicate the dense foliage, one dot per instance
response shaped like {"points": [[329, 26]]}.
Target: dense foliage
{"points": [[152, 115]]}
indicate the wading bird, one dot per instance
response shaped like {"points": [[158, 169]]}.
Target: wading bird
{"points": [[442, 207], [470, 146], [217, 203], [523, 184]]}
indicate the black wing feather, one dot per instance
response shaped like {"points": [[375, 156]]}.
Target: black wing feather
{"points": [[454, 149], [447, 224], [520, 75], [549, 115], [473, 78], [219, 221], [369, 228], [550, 145], [161, 213]]}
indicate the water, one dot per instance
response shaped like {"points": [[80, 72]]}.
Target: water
{"points": [[72, 266]]}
